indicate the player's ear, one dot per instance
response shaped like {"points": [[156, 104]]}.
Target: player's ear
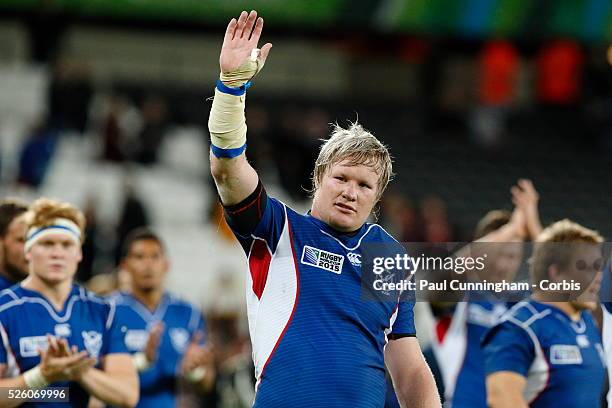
{"points": [[166, 265], [80, 255]]}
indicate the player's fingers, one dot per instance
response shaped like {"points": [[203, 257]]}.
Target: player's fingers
{"points": [[64, 349], [53, 347], [240, 24], [265, 50], [256, 31], [516, 192], [44, 356], [156, 331], [75, 358], [248, 26], [230, 31]]}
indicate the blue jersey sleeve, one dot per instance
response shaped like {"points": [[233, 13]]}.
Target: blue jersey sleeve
{"points": [[404, 322], [258, 217], [507, 347], [114, 341]]}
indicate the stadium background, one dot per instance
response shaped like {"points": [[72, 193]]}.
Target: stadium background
{"points": [[103, 103]]}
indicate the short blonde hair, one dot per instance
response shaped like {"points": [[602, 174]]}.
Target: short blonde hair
{"points": [[549, 249], [359, 147], [44, 211]]}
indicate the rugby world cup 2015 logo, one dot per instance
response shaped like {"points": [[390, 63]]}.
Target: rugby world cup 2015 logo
{"points": [[322, 259]]}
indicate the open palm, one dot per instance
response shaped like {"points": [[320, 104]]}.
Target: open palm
{"points": [[241, 37]]}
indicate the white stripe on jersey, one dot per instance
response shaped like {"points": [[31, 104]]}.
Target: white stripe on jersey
{"points": [[276, 304]]}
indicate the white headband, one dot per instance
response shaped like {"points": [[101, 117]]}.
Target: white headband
{"points": [[59, 226]]}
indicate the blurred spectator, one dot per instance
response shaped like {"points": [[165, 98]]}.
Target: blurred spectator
{"points": [[259, 150], [497, 78], [399, 217], [134, 214], [70, 94], [86, 268], [436, 225], [36, 155], [559, 72], [117, 123], [296, 147], [154, 126], [559, 86]]}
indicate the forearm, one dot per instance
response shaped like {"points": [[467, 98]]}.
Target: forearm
{"points": [[6, 384], [418, 390], [506, 233], [233, 175], [506, 399], [120, 389], [235, 178], [534, 226]]}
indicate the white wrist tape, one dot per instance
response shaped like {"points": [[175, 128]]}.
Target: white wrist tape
{"points": [[245, 72], [196, 375], [226, 123], [140, 361], [34, 378]]}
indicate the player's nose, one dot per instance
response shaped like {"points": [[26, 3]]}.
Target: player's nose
{"points": [[349, 192]]}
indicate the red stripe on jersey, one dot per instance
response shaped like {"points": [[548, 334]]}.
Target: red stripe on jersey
{"points": [[259, 264]]}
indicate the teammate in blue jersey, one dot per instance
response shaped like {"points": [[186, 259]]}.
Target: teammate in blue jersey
{"points": [[55, 333], [546, 352], [460, 352], [164, 333], [13, 266], [316, 341]]}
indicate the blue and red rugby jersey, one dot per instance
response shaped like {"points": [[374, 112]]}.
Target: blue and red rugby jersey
{"points": [[317, 342]]}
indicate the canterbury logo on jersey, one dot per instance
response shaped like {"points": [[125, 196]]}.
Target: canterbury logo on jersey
{"points": [[354, 259], [322, 259]]}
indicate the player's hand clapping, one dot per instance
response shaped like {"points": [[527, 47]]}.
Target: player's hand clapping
{"points": [[60, 362], [152, 346]]}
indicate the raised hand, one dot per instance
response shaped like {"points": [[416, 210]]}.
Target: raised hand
{"points": [[241, 37], [526, 198]]}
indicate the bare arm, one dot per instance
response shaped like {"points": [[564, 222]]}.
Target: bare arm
{"points": [[526, 198], [10, 383], [117, 384], [505, 390], [234, 176], [412, 379]]}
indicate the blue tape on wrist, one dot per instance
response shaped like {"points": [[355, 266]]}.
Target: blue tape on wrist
{"points": [[233, 91], [227, 153]]}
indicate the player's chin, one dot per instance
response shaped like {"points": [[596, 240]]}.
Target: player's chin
{"points": [[584, 305], [345, 222]]}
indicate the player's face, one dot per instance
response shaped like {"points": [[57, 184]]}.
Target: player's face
{"points": [[346, 196], [585, 267], [54, 258], [507, 261], [146, 264], [14, 260]]}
